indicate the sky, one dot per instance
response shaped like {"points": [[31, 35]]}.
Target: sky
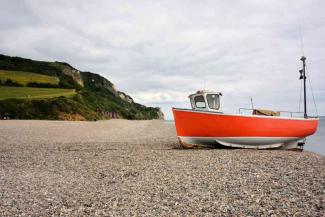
{"points": [[159, 52]]}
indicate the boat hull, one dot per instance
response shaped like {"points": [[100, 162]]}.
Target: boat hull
{"points": [[201, 129]]}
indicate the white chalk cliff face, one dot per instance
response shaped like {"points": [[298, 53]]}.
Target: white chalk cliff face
{"points": [[125, 97], [161, 115], [74, 73]]}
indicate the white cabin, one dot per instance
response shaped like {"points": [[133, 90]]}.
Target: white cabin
{"points": [[206, 100]]}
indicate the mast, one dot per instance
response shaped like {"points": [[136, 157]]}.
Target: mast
{"points": [[303, 76]]}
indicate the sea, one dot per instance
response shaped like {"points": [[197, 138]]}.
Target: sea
{"points": [[314, 143]]}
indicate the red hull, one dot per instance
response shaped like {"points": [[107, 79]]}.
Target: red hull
{"points": [[190, 123]]}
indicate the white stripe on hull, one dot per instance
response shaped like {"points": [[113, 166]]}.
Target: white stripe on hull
{"points": [[245, 142]]}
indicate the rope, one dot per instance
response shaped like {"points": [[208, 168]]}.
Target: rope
{"points": [[312, 92], [300, 94]]}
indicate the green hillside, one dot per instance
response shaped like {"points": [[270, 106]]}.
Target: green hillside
{"points": [[33, 93], [27, 77], [85, 95], [28, 65]]}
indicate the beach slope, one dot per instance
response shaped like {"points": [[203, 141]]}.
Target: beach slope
{"points": [[122, 168]]}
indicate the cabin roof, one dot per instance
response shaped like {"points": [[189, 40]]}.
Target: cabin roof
{"points": [[200, 92]]}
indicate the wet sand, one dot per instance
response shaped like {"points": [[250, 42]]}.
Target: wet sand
{"points": [[123, 168]]}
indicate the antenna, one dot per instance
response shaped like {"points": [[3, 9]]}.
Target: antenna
{"points": [[204, 81], [301, 37], [252, 103]]}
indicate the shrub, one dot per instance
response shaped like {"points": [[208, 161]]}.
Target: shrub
{"points": [[42, 85], [9, 82]]}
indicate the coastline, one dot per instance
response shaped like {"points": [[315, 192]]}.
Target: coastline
{"points": [[121, 167]]}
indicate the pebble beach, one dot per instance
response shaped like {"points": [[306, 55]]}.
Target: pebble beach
{"points": [[137, 168]]}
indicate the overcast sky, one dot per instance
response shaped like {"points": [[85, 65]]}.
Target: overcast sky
{"points": [[159, 52]]}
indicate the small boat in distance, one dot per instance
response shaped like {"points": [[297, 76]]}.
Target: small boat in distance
{"points": [[206, 126]]}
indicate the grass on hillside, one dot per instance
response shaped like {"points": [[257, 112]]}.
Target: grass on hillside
{"points": [[33, 93], [26, 77]]}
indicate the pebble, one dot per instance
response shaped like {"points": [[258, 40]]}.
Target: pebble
{"points": [[123, 168]]}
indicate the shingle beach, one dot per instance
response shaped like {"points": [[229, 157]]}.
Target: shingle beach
{"points": [[127, 168]]}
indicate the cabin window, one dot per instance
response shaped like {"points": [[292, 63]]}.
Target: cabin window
{"points": [[199, 102], [213, 101]]}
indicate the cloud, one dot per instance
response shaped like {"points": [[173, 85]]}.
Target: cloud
{"points": [[161, 51]]}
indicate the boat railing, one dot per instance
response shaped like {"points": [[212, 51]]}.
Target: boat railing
{"points": [[291, 113]]}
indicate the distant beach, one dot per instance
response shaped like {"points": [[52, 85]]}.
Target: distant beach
{"points": [[123, 168]]}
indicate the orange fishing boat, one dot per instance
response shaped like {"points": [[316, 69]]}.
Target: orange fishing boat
{"points": [[206, 125]]}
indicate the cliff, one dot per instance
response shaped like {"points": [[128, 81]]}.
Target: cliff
{"points": [[95, 96]]}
